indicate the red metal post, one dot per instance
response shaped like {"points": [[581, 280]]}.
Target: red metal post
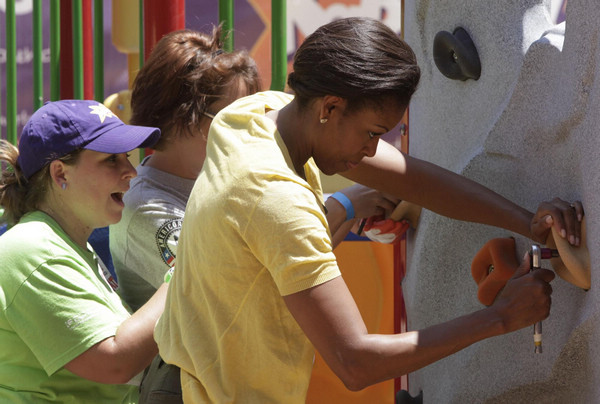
{"points": [[160, 18], [400, 319], [66, 50], [88, 50], [400, 315]]}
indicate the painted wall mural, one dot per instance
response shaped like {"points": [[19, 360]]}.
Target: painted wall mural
{"points": [[252, 29]]}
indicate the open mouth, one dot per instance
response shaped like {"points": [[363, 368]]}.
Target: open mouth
{"points": [[117, 197]]}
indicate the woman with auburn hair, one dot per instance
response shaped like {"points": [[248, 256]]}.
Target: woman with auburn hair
{"points": [[185, 82]]}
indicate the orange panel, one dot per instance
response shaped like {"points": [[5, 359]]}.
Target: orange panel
{"points": [[368, 270]]}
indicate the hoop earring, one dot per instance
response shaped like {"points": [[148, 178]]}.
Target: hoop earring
{"points": [[323, 120]]}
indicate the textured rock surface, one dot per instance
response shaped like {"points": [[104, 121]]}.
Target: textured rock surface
{"points": [[528, 129]]}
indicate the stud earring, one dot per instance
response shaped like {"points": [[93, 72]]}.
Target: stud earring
{"points": [[323, 120], [64, 186]]}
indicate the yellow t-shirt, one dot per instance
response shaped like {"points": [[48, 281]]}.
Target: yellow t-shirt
{"points": [[253, 231]]}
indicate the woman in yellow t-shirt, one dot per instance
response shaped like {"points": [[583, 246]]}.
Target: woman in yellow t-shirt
{"points": [[257, 287]]}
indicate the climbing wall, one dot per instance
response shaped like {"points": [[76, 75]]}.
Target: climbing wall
{"points": [[528, 128]]}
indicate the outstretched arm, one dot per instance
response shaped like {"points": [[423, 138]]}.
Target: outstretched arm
{"points": [[458, 197], [329, 317]]}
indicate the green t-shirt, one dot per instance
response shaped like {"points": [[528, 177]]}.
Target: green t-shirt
{"points": [[55, 304]]}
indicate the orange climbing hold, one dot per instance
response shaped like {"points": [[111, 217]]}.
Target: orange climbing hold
{"points": [[493, 266]]}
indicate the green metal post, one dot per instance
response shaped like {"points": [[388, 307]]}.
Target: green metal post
{"points": [[278, 45], [54, 50], [11, 73], [226, 17], [38, 72], [99, 50], [77, 50], [1, 211], [0, 122]]}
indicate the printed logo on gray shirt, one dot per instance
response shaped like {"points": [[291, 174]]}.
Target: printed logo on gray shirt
{"points": [[167, 237]]}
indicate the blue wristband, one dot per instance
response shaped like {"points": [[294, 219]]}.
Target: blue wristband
{"points": [[346, 203]]}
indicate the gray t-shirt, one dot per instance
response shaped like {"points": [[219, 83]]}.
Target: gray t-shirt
{"points": [[143, 244]]}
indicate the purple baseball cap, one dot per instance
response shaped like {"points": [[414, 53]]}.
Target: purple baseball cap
{"points": [[61, 127]]}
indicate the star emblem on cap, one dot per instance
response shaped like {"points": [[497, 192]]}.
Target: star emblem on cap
{"points": [[101, 111]]}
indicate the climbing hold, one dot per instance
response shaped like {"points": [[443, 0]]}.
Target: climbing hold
{"points": [[455, 55], [492, 267], [573, 263]]}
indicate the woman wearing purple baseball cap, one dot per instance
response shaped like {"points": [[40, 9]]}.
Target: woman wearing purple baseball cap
{"points": [[64, 332]]}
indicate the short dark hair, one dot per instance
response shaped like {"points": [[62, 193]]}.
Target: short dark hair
{"points": [[186, 72], [359, 59]]}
